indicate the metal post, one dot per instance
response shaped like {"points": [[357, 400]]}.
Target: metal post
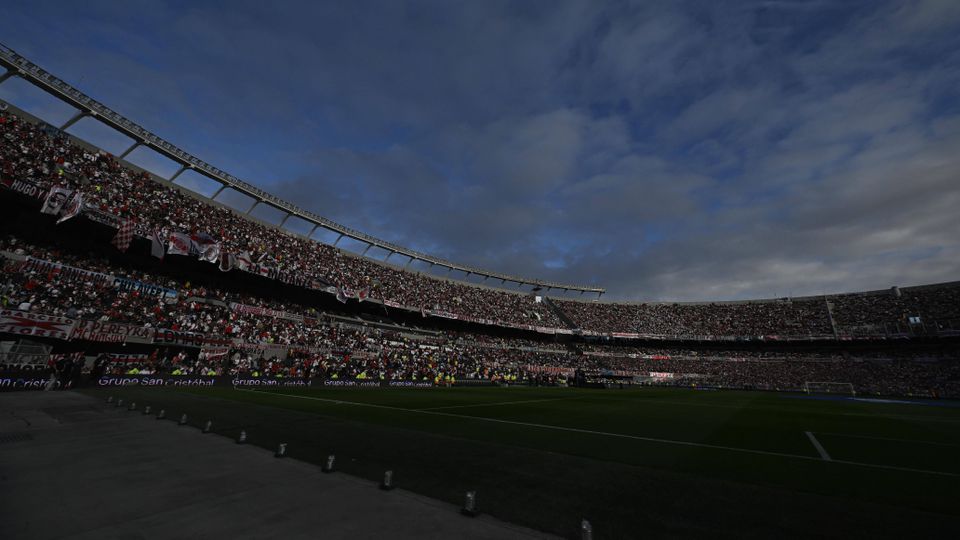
{"points": [[284, 220], [408, 263], [73, 120], [178, 173], [338, 240], [128, 150], [388, 256], [313, 230], [7, 75], [222, 187], [366, 250], [255, 203]]}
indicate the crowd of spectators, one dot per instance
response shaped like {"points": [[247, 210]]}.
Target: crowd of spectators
{"points": [[46, 157]]}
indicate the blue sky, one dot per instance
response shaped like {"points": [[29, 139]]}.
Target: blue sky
{"points": [[665, 150]]}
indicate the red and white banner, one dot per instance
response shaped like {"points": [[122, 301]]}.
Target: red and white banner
{"points": [[106, 332], [25, 187], [265, 312], [23, 323]]}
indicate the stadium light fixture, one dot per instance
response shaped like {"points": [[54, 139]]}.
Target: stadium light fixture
{"points": [[328, 465], [470, 504], [281, 450], [207, 426], [387, 483], [242, 439], [183, 420], [162, 414]]}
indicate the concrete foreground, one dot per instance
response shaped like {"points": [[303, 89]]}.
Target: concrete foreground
{"points": [[71, 467]]}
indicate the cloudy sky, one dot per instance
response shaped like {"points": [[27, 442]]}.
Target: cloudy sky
{"points": [[665, 150]]}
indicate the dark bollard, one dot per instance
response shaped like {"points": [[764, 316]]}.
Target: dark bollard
{"points": [[387, 483], [586, 530], [470, 504]]}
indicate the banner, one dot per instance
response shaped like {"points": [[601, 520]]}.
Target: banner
{"points": [[265, 312], [180, 338], [65, 272], [23, 323], [55, 201], [106, 332], [25, 187], [73, 208], [125, 284]]}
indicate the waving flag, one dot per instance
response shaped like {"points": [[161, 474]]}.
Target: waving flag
{"points": [[179, 244], [73, 208], [124, 236], [156, 244]]}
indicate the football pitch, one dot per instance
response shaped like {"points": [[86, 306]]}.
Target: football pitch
{"points": [[650, 462]]}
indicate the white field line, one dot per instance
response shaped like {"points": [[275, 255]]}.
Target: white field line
{"points": [[816, 444], [493, 404], [606, 434], [872, 438], [796, 410]]}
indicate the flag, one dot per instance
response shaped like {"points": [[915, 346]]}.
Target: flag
{"points": [[210, 253], [73, 208], [340, 296], [243, 261], [124, 236], [363, 294], [179, 244], [55, 200], [156, 244], [227, 261]]}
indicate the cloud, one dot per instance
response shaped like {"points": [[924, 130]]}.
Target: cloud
{"points": [[687, 150]]}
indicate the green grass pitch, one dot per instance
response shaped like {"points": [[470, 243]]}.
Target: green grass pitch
{"points": [[644, 463]]}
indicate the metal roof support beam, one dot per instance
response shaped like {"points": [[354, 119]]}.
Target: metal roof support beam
{"points": [[364, 254], [128, 150], [222, 187], [7, 75], [313, 230], [285, 218], [73, 120], [408, 263], [388, 256], [254, 205], [338, 240], [178, 173]]}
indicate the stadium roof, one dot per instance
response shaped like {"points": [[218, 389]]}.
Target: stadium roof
{"points": [[19, 66]]}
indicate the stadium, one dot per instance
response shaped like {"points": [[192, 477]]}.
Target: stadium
{"points": [[162, 349]]}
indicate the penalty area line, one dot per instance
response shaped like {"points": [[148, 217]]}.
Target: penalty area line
{"points": [[816, 444], [605, 433]]}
